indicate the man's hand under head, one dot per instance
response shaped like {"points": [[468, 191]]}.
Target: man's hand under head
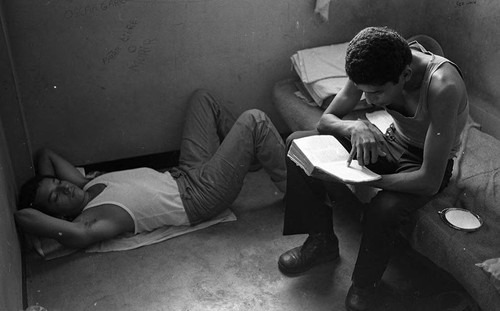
{"points": [[367, 143]]}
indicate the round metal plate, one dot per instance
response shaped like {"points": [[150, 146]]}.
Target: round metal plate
{"points": [[461, 219]]}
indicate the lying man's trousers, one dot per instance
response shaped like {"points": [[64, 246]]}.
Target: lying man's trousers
{"points": [[307, 213], [217, 151]]}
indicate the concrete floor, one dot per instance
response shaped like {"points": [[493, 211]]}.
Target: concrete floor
{"points": [[230, 266]]}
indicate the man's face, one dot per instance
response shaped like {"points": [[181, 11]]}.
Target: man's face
{"points": [[388, 93], [381, 95], [59, 197]]}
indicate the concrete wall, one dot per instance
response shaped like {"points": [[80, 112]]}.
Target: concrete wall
{"points": [[11, 109], [109, 79], [11, 293], [469, 32], [11, 288]]}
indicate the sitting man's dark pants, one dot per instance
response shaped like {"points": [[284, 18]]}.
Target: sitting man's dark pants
{"points": [[307, 213]]}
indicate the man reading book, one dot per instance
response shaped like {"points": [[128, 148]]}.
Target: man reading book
{"points": [[426, 96]]}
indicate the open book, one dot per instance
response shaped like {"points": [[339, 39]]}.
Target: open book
{"points": [[324, 157]]}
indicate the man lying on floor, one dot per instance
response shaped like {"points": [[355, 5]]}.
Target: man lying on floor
{"points": [[216, 152]]}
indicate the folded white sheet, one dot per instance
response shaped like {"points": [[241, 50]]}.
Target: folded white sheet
{"points": [[322, 89], [321, 62], [321, 70]]}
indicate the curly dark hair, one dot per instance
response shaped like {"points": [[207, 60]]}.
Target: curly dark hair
{"points": [[27, 194], [377, 55]]}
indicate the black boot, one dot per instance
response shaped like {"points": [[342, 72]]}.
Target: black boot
{"points": [[359, 298], [318, 248]]}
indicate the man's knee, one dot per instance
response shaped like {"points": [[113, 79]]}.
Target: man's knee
{"points": [[201, 97], [382, 215], [252, 117], [201, 93], [390, 208]]}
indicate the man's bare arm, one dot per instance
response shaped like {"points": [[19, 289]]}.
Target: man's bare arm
{"points": [[344, 102], [80, 233], [367, 141], [50, 163]]}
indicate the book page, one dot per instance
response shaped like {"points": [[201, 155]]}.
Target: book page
{"points": [[324, 157], [302, 162], [322, 149], [353, 173]]}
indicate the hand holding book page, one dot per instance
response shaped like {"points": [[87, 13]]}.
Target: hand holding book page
{"points": [[324, 157]]}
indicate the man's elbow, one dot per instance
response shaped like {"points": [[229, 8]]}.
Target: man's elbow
{"points": [[18, 216], [22, 218], [430, 188], [321, 126], [44, 153]]}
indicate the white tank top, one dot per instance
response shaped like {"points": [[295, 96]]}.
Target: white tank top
{"points": [[150, 197], [414, 129]]}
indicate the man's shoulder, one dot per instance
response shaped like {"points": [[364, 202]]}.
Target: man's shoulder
{"points": [[447, 79], [448, 69]]}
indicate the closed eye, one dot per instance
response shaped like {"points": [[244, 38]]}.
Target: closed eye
{"points": [[53, 197]]}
